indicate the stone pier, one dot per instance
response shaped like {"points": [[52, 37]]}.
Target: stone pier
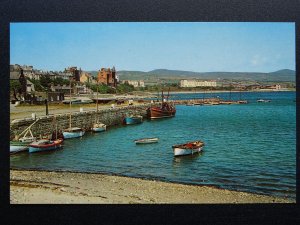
{"points": [[47, 124]]}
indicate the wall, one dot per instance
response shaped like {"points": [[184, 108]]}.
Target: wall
{"points": [[46, 124]]}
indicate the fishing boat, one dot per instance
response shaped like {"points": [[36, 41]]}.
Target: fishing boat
{"points": [[164, 111], [98, 126], [263, 100], [45, 145], [72, 132], [146, 140], [188, 148], [133, 119]]}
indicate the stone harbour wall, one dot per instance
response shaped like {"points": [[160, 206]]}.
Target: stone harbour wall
{"points": [[47, 124]]}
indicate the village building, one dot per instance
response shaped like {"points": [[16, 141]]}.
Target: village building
{"points": [[75, 73], [135, 83], [86, 77], [197, 83], [107, 76]]}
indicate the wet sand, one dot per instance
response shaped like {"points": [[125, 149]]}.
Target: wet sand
{"points": [[42, 187]]}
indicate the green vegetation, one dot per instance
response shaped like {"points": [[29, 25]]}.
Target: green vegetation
{"points": [[14, 84]]}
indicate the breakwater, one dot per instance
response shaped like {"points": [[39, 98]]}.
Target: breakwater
{"points": [[46, 124]]}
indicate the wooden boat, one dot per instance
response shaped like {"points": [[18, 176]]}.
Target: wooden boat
{"points": [[146, 140], [98, 126], [164, 111], [72, 132], [133, 120], [45, 145], [242, 102], [188, 148]]}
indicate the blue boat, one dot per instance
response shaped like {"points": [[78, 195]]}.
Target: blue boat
{"points": [[133, 120], [73, 132]]}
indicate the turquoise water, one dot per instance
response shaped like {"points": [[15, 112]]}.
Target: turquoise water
{"points": [[249, 147]]}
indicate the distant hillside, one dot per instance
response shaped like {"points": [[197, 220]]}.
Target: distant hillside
{"points": [[279, 76]]}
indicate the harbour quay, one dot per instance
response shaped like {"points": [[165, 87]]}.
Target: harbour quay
{"points": [[83, 119]]}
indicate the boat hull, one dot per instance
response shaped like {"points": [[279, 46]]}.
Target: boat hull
{"points": [[68, 135], [182, 152], [158, 113], [15, 148], [146, 141], [98, 129], [133, 120], [45, 147]]}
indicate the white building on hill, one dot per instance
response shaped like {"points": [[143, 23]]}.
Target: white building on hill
{"points": [[198, 83]]}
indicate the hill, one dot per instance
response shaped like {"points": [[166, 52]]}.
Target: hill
{"points": [[284, 75]]}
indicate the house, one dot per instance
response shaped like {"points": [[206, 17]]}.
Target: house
{"points": [[85, 77], [29, 86], [135, 83], [107, 76]]}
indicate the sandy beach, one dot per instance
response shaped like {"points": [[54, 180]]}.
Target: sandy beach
{"points": [[43, 187]]}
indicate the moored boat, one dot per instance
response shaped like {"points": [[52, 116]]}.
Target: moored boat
{"points": [[133, 119], [164, 111], [98, 127], [17, 146], [73, 132], [146, 140], [45, 145], [188, 148]]}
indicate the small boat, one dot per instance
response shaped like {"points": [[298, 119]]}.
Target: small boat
{"points": [[73, 132], [242, 102], [17, 146], [146, 140], [27, 139], [190, 104], [188, 148], [98, 127], [45, 145], [263, 100], [133, 120]]}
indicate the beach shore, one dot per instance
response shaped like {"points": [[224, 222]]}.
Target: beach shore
{"points": [[43, 187]]}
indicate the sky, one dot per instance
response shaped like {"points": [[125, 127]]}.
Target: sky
{"points": [[145, 46]]}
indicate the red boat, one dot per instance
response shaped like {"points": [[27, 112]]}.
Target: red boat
{"points": [[164, 111]]}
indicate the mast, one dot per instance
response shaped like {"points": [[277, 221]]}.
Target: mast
{"points": [[70, 123], [97, 101], [168, 94]]}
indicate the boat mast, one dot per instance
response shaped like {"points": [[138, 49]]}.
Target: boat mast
{"points": [[97, 100], [70, 106]]}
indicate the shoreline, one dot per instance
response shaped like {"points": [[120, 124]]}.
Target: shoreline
{"points": [[29, 186]]}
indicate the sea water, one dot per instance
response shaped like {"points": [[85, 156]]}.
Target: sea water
{"points": [[248, 147]]}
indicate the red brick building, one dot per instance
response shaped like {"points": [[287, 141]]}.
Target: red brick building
{"points": [[107, 76]]}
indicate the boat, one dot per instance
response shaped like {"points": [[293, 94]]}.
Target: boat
{"points": [[263, 100], [242, 102], [21, 144], [188, 148], [164, 111], [45, 145], [17, 146], [146, 140], [72, 132], [98, 126], [133, 119]]}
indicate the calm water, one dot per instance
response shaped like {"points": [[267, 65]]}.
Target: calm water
{"points": [[249, 147]]}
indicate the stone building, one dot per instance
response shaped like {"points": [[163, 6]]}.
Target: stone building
{"points": [[107, 76], [75, 72]]}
